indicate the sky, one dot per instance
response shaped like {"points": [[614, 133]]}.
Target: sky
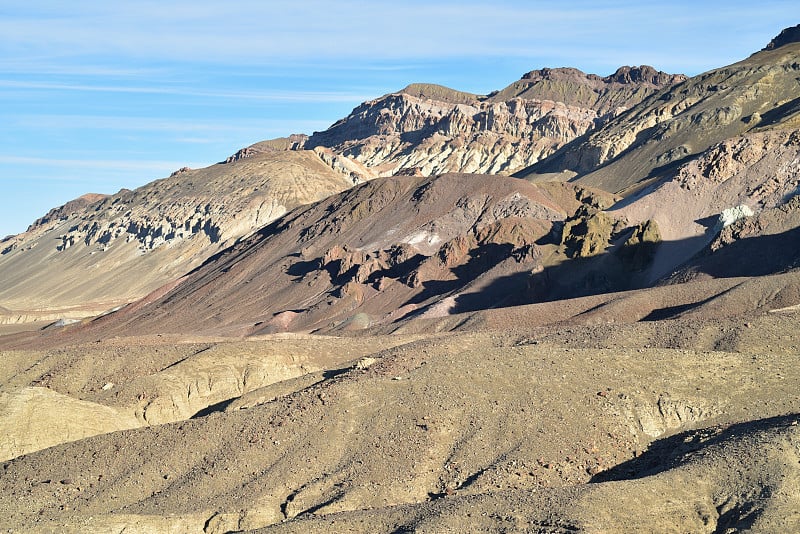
{"points": [[98, 96]]}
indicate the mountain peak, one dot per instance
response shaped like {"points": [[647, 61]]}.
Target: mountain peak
{"points": [[788, 35], [560, 73], [643, 74], [438, 92], [624, 75]]}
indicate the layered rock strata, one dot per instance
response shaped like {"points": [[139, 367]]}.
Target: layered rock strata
{"points": [[436, 129]]}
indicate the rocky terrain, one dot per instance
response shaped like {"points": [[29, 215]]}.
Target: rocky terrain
{"points": [[435, 129], [547, 429], [168, 227], [369, 255], [646, 143], [606, 343], [409, 247]]}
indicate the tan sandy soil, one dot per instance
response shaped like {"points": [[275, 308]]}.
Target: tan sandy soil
{"points": [[462, 431]]}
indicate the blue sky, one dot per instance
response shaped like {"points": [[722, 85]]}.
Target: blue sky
{"points": [[96, 96]]}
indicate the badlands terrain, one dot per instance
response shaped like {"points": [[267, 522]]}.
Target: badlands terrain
{"points": [[570, 305]]}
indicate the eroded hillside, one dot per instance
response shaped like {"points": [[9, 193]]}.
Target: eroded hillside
{"points": [[502, 430], [103, 251], [651, 139]]}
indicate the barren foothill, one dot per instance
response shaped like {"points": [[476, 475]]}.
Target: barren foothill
{"points": [[608, 342], [463, 430]]}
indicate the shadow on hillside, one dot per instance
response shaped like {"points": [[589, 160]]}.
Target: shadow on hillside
{"points": [[213, 408], [243, 243], [674, 451], [753, 256], [671, 312], [611, 272], [775, 115], [569, 158], [483, 258], [506, 291]]}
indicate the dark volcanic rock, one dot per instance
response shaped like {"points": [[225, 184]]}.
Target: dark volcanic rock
{"points": [[70, 208], [623, 75], [788, 35], [643, 74]]}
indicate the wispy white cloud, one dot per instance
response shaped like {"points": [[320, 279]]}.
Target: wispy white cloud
{"points": [[276, 96], [256, 32], [55, 86], [160, 124], [108, 165], [196, 140], [50, 65], [210, 67]]}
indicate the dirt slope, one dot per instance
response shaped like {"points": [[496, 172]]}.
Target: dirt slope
{"points": [[404, 248], [751, 177], [371, 255], [475, 431]]}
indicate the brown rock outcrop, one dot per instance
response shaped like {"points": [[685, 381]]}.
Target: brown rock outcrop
{"points": [[639, 249], [644, 75], [69, 209], [607, 95], [587, 233], [293, 142], [787, 35]]}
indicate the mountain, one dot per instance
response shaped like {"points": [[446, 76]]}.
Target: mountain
{"points": [[409, 247], [722, 141], [649, 141], [607, 95], [436, 129], [388, 248], [396, 253], [134, 241], [606, 342]]}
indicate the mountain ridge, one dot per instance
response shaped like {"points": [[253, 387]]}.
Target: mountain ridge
{"points": [[661, 132], [134, 241], [438, 129], [447, 353]]}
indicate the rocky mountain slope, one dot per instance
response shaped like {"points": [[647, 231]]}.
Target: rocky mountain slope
{"points": [[134, 241], [101, 251], [372, 254], [435, 129], [752, 174], [489, 353], [411, 247], [408, 248], [650, 140], [405, 250]]}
